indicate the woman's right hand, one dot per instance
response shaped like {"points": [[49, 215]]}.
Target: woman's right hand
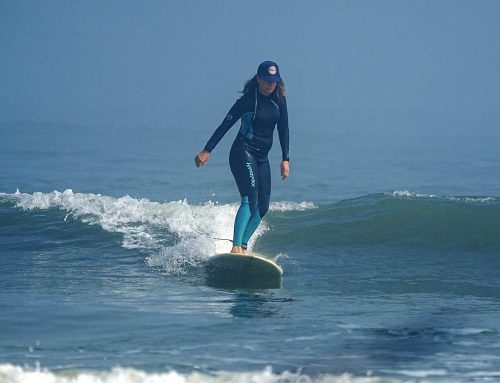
{"points": [[201, 158]]}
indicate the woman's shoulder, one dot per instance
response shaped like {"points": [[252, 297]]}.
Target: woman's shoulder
{"points": [[247, 97]]}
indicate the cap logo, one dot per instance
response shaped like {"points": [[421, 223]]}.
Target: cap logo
{"points": [[271, 70]]}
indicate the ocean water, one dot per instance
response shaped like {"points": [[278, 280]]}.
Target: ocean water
{"points": [[390, 248]]}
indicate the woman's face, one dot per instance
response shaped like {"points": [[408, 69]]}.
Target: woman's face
{"points": [[265, 87]]}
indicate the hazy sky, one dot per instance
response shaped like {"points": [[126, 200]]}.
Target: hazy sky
{"points": [[166, 63]]}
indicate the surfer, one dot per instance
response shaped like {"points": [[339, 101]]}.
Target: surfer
{"points": [[261, 108]]}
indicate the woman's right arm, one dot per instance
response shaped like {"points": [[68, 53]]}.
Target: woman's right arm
{"points": [[232, 116]]}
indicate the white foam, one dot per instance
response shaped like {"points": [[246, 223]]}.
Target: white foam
{"points": [[479, 199], [408, 194], [14, 374], [484, 374], [423, 373], [175, 235], [291, 206], [405, 194]]}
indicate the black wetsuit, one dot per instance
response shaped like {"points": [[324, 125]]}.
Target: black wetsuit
{"points": [[248, 160]]}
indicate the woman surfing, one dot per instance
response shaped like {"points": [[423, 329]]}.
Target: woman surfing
{"points": [[261, 108]]}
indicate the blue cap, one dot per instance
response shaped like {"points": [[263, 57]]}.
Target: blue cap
{"points": [[269, 71]]}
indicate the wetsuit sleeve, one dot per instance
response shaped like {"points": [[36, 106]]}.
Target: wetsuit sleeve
{"points": [[283, 131], [232, 116]]}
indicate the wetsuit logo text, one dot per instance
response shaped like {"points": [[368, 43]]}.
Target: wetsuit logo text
{"points": [[250, 172]]}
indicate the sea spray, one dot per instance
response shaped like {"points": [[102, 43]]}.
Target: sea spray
{"points": [[174, 235], [15, 374]]}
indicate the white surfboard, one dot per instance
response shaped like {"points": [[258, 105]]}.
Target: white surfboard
{"points": [[243, 270]]}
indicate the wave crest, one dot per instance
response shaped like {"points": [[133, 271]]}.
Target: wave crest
{"points": [[175, 235], [14, 374]]}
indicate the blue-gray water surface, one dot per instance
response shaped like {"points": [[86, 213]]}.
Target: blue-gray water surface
{"points": [[387, 228], [104, 241]]}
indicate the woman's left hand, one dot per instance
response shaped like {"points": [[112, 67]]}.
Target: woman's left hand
{"points": [[285, 169]]}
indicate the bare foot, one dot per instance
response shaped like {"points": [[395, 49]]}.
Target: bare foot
{"points": [[237, 250]]}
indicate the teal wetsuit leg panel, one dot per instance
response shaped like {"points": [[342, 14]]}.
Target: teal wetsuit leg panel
{"points": [[253, 224], [243, 216], [264, 195]]}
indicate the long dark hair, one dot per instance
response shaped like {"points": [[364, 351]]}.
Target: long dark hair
{"points": [[252, 84]]}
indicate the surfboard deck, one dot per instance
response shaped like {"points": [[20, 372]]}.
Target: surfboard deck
{"points": [[243, 270]]}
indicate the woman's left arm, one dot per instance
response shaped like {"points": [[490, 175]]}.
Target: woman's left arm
{"points": [[283, 134]]}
